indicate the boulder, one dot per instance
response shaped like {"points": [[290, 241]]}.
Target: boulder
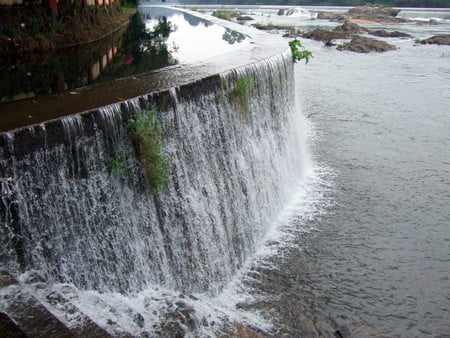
{"points": [[345, 31], [323, 35], [438, 40], [367, 12], [331, 16], [349, 29], [362, 44], [385, 34]]}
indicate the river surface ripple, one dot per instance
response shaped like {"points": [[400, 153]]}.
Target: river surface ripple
{"points": [[378, 261]]}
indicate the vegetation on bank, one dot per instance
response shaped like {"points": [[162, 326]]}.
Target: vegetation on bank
{"points": [[392, 3], [146, 133]]}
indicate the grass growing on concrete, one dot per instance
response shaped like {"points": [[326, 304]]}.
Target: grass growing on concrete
{"points": [[147, 136], [241, 93]]}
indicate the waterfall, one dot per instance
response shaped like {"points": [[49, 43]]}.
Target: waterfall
{"points": [[235, 161]]}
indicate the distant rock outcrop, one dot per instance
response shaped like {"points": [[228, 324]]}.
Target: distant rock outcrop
{"points": [[331, 16], [368, 13], [362, 44], [438, 40], [375, 13]]}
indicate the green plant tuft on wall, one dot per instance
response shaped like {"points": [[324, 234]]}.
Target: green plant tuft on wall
{"points": [[241, 93], [299, 52], [146, 133], [117, 165]]}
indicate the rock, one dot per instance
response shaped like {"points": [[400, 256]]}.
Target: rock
{"points": [[438, 40], [241, 330], [139, 320], [349, 29], [375, 14], [385, 34], [361, 44], [244, 18], [172, 329], [331, 16], [297, 11], [186, 314], [323, 35], [345, 31], [367, 13]]}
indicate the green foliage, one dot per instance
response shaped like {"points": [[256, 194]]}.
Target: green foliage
{"points": [[54, 26], [117, 165], [36, 25], [299, 52], [225, 15], [146, 133], [242, 94], [232, 36]]}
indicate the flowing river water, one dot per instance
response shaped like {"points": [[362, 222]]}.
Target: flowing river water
{"points": [[374, 261]]}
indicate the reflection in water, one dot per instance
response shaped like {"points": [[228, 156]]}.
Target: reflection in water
{"points": [[125, 53], [142, 50], [233, 37], [50, 73], [155, 38], [195, 38]]}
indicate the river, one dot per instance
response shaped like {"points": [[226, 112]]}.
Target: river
{"points": [[374, 259]]}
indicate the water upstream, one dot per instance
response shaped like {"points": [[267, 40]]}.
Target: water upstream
{"points": [[377, 260]]}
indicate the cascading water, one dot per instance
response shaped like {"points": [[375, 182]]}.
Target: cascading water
{"points": [[235, 161]]}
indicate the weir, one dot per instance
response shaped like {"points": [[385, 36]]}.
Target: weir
{"points": [[234, 162]]}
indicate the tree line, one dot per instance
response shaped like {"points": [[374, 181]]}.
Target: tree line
{"points": [[391, 3]]}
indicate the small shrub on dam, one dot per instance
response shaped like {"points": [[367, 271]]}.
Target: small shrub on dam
{"points": [[118, 163], [299, 52], [146, 133], [241, 93]]}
